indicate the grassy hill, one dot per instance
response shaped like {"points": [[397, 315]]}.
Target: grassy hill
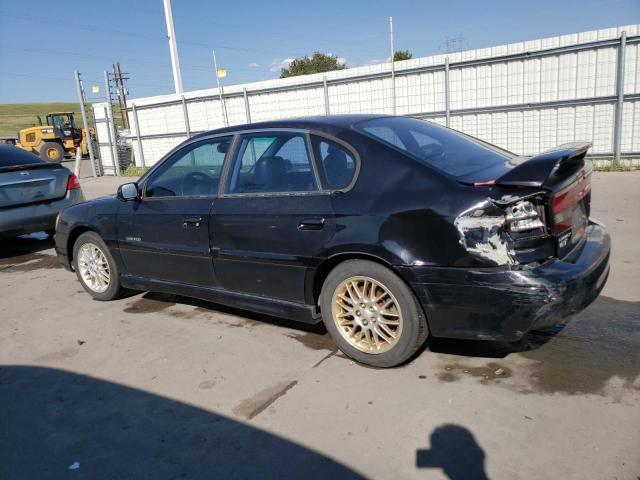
{"points": [[14, 116]]}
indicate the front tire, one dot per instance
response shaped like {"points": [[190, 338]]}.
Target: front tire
{"points": [[52, 152], [371, 314], [95, 267]]}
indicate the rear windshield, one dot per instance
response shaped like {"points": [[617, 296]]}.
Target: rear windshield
{"points": [[446, 150], [11, 156]]}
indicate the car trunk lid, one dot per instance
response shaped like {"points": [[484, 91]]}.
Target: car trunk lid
{"points": [[25, 184]]}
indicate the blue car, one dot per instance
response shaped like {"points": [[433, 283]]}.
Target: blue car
{"points": [[33, 192]]}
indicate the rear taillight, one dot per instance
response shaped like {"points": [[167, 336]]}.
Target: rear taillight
{"points": [[563, 205], [73, 183]]}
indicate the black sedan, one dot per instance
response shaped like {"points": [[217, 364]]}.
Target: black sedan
{"points": [[387, 229], [33, 192]]}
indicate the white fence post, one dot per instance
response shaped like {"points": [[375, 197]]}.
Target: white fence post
{"points": [[187, 125], [617, 126], [447, 105], [138, 137], [247, 108], [327, 110]]}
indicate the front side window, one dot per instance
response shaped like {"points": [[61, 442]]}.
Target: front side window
{"points": [[444, 149], [271, 163], [336, 164], [193, 171]]}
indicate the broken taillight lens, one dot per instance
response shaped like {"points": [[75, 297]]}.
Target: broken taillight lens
{"points": [[523, 217]]}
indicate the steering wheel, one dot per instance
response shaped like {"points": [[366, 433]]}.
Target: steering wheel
{"points": [[432, 150], [196, 183]]}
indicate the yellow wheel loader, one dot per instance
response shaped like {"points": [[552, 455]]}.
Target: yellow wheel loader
{"points": [[56, 139]]}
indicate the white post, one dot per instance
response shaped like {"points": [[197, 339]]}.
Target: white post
{"points": [[393, 66], [447, 105], [85, 123], [138, 137], [617, 124], [222, 105], [173, 47], [76, 169]]}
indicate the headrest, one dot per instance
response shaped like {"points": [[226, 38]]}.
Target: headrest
{"points": [[270, 172], [224, 146]]}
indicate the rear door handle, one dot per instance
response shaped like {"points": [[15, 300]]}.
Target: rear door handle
{"points": [[191, 222], [315, 223]]}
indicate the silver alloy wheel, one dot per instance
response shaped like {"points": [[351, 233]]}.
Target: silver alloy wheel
{"points": [[367, 314], [94, 267]]}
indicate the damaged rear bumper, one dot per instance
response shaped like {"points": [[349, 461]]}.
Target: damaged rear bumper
{"points": [[504, 303]]}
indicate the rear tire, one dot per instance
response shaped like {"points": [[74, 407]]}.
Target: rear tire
{"points": [[371, 314], [52, 152], [96, 268]]}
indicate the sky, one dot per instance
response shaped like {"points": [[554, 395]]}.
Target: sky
{"points": [[40, 46]]}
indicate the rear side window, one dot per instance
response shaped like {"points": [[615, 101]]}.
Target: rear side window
{"points": [[336, 164], [271, 163], [446, 150], [11, 156]]}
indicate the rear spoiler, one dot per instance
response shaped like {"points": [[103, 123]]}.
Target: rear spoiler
{"points": [[534, 171], [30, 166]]}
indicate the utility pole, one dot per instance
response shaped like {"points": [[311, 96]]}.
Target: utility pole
{"points": [[121, 91], [220, 93], [393, 66], [110, 124], [173, 47], [86, 125]]}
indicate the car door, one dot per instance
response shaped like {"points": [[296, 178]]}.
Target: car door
{"points": [[273, 219], [165, 235]]}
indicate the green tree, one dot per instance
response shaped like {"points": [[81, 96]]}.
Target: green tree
{"points": [[402, 55], [318, 63]]}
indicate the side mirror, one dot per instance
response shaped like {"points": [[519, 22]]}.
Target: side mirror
{"points": [[128, 191]]}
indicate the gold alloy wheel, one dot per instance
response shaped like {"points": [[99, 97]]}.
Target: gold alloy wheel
{"points": [[367, 314]]}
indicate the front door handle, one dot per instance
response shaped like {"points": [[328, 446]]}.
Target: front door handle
{"points": [[191, 222], [315, 223]]}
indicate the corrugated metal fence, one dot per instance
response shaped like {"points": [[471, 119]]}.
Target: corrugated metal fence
{"points": [[526, 97]]}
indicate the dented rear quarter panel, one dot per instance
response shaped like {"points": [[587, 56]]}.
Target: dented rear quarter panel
{"points": [[406, 213]]}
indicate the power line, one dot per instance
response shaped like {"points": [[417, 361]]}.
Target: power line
{"points": [[93, 28], [46, 77], [219, 24]]}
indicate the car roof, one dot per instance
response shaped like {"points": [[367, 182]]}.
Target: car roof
{"points": [[329, 123], [11, 155]]}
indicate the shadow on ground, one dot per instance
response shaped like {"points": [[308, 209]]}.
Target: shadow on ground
{"points": [[25, 253], [153, 302], [454, 450], [27, 244], [54, 420], [594, 347]]}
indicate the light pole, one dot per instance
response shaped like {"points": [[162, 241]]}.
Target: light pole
{"points": [[173, 47]]}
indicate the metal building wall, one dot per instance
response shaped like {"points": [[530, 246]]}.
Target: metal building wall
{"points": [[526, 97]]}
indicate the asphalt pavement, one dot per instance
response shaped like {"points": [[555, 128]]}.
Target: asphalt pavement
{"points": [[160, 386]]}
